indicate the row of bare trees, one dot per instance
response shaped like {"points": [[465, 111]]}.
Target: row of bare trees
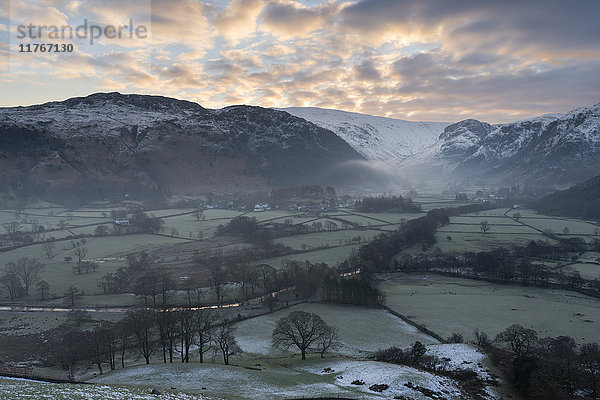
{"points": [[20, 276], [174, 332], [150, 333]]}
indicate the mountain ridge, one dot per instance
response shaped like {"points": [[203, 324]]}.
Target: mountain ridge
{"points": [[114, 143]]}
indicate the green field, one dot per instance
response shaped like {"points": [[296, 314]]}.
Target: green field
{"points": [[446, 305], [586, 270], [360, 329], [335, 238], [332, 256], [108, 251], [466, 235]]}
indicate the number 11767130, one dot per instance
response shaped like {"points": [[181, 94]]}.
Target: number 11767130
{"points": [[45, 48]]}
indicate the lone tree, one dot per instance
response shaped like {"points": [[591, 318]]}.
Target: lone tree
{"points": [[521, 339], [72, 294], [300, 329], [43, 287], [49, 250], [485, 226], [198, 214]]}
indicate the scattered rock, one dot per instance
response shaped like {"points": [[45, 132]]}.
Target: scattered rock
{"points": [[357, 382], [378, 387], [155, 391], [328, 370]]}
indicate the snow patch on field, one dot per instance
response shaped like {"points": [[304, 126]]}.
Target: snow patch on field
{"points": [[395, 376], [462, 356]]}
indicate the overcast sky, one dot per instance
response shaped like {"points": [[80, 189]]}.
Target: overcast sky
{"points": [[441, 60]]}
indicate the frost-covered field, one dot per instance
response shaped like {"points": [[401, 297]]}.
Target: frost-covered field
{"points": [[290, 379], [446, 305], [395, 376], [16, 389], [360, 329]]}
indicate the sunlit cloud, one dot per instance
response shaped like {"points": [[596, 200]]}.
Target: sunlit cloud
{"points": [[421, 60], [238, 20]]}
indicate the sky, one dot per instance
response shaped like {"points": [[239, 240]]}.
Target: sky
{"points": [[420, 60]]}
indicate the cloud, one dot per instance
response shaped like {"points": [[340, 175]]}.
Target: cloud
{"points": [[238, 20], [293, 19], [511, 26], [421, 60], [366, 71]]}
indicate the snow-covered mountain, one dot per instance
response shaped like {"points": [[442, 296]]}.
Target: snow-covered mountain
{"points": [[110, 143], [550, 149], [376, 138]]}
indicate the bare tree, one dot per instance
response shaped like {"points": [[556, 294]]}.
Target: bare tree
{"points": [[205, 323], [80, 252], [485, 226], [225, 341], [166, 322], [166, 286], [28, 269], [103, 346], [123, 332], [198, 214], [49, 250], [328, 341], [300, 329], [10, 280], [481, 338], [142, 324], [70, 349], [147, 285], [186, 333], [43, 287], [72, 294], [217, 281]]}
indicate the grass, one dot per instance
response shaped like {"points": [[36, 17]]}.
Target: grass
{"points": [[59, 274], [335, 238], [587, 270], [360, 329], [332, 256], [466, 235], [17, 389], [446, 305]]}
